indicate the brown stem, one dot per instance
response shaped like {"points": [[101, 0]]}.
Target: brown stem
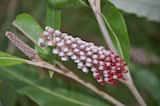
{"points": [[69, 74]]}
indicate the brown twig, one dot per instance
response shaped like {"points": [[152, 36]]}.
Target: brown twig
{"points": [[96, 7], [69, 74]]}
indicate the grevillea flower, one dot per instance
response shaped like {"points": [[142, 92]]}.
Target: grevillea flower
{"points": [[105, 65]]}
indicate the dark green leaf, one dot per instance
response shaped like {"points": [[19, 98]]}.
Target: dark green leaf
{"points": [[29, 26], [8, 95], [148, 81], [117, 28], [47, 92]]}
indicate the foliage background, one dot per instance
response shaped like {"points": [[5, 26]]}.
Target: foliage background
{"points": [[145, 51]]}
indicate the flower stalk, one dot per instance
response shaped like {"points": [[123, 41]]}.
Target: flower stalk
{"points": [[37, 61]]}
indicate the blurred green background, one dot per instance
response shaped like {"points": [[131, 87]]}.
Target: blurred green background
{"points": [[144, 38]]}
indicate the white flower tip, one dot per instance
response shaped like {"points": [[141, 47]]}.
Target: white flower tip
{"points": [[88, 64], [77, 61], [82, 57], [81, 53], [108, 64], [106, 79], [64, 35], [94, 56], [107, 53], [60, 44], [69, 53], [68, 41], [57, 39], [64, 58], [105, 74], [93, 69], [55, 51], [45, 33], [65, 50], [80, 64], [74, 45], [100, 67], [51, 30], [95, 61], [115, 77], [89, 60], [85, 70], [95, 74], [74, 57], [76, 50], [61, 54], [57, 32], [47, 27]]}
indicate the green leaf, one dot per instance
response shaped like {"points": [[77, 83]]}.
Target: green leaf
{"points": [[53, 18], [31, 29], [28, 26], [66, 3], [143, 8], [117, 28], [148, 81], [8, 95], [47, 92], [9, 60]]}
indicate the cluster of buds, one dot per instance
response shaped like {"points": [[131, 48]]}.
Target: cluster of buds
{"points": [[105, 65]]}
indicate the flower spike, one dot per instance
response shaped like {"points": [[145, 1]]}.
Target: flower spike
{"points": [[105, 65]]}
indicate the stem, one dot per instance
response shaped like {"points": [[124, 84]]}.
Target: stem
{"points": [[96, 7], [67, 73], [130, 84]]}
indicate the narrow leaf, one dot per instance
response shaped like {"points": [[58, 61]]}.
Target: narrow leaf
{"points": [[9, 60], [117, 28], [152, 86], [9, 98], [28, 26]]}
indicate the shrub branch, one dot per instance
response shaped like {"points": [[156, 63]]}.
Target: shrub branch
{"points": [[37, 61]]}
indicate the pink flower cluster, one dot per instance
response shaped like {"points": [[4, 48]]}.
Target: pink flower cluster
{"points": [[105, 65]]}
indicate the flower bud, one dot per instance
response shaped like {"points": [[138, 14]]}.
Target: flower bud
{"points": [[105, 65]]}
